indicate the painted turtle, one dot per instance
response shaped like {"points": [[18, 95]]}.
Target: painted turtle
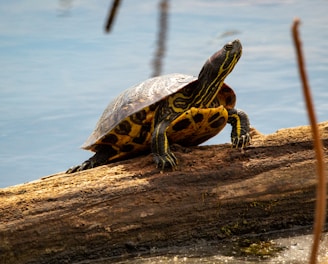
{"points": [[174, 108]]}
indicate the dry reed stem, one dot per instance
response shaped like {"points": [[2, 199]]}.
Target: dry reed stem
{"points": [[320, 210]]}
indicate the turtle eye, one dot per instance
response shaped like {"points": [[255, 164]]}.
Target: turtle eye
{"points": [[228, 46]]}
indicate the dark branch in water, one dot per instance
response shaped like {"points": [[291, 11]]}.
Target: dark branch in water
{"points": [[162, 33], [112, 15]]}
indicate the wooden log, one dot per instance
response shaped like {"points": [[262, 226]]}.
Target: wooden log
{"points": [[129, 206]]}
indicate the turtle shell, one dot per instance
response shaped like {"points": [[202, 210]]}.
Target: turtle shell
{"points": [[135, 99]]}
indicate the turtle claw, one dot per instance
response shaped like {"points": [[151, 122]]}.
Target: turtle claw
{"points": [[84, 166], [100, 158], [241, 142], [168, 160], [88, 164], [74, 169]]}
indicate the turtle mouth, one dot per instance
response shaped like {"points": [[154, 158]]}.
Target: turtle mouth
{"points": [[228, 56], [233, 46], [230, 51]]}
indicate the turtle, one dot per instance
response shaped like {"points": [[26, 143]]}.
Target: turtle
{"points": [[164, 110]]}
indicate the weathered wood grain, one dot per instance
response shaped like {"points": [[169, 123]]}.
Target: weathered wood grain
{"points": [[128, 207]]}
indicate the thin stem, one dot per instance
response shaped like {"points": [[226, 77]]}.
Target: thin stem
{"points": [[320, 209], [112, 15], [161, 39]]}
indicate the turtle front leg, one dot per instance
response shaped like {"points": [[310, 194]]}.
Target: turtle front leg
{"points": [[163, 156], [239, 121]]}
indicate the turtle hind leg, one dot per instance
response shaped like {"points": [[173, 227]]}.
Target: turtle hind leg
{"points": [[101, 157], [240, 133]]}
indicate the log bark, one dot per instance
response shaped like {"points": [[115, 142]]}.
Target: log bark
{"points": [[129, 206]]}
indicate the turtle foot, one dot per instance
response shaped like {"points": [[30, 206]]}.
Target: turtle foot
{"points": [[241, 142], [240, 137], [84, 166], [167, 160], [100, 158]]}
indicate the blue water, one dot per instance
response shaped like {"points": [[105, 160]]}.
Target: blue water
{"points": [[59, 70]]}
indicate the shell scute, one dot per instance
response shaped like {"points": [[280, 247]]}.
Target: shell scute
{"points": [[135, 99]]}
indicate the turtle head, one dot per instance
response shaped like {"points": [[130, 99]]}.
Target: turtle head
{"points": [[217, 68], [221, 63]]}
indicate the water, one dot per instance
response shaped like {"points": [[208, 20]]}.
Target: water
{"points": [[59, 70]]}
